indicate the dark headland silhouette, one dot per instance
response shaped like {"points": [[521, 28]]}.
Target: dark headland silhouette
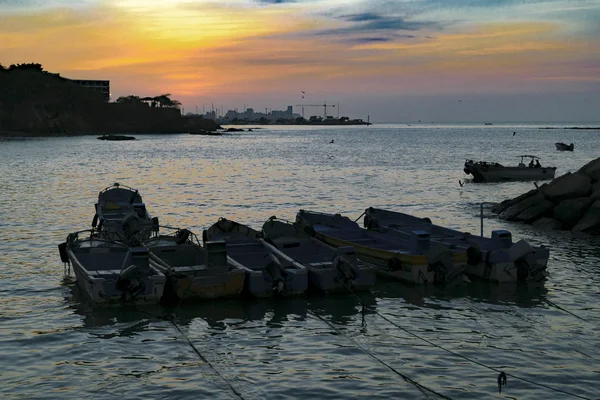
{"points": [[34, 102]]}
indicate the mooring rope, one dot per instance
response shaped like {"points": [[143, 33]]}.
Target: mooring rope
{"points": [[368, 352], [462, 356], [171, 319], [564, 309]]}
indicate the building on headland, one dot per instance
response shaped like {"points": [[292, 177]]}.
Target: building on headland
{"points": [[249, 115], [283, 117], [95, 85]]}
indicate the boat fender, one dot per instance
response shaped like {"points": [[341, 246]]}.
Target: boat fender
{"points": [[204, 236], [155, 224], [473, 255], [95, 220], [394, 264], [62, 250], [181, 236]]}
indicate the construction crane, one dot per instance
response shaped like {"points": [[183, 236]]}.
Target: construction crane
{"points": [[316, 105]]}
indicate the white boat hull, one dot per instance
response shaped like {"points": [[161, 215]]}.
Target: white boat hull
{"points": [[267, 273], [100, 285], [329, 270]]}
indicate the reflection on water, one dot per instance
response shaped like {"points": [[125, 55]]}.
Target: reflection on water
{"points": [[54, 344]]}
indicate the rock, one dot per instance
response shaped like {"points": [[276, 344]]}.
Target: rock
{"points": [[499, 208], [590, 222], [569, 211], [540, 209], [548, 223], [595, 195], [511, 212], [592, 169], [568, 186]]}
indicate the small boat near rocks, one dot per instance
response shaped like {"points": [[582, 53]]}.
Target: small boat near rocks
{"points": [[110, 272], [415, 259], [564, 147], [329, 269], [194, 272], [121, 215], [267, 273], [484, 171], [495, 259], [115, 137]]}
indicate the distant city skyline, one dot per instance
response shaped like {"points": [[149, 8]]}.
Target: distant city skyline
{"points": [[395, 61]]}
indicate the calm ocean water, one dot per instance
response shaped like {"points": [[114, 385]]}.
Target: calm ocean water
{"points": [[408, 342]]}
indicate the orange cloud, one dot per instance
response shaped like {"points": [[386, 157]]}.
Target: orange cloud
{"points": [[147, 47]]}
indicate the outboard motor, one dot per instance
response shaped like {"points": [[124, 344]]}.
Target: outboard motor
{"points": [[277, 274], [344, 263], [439, 260], [130, 279], [523, 255], [501, 239]]}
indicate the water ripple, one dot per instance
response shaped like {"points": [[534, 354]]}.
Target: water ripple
{"points": [[54, 345]]}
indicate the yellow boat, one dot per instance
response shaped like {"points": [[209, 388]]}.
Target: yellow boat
{"points": [[414, 260], [194, 272]]}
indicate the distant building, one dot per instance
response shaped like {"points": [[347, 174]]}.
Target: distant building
{"points": [[95, 85]]}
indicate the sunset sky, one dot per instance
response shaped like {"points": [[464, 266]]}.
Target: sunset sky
{"points": [[402, 60]]}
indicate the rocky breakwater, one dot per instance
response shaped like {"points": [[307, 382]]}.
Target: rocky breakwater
{"points": [[569, 202]]}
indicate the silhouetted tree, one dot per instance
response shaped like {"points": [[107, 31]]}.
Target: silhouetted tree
{"points": [[26, 66], [164, 100], [129, 100], [30, 66]]}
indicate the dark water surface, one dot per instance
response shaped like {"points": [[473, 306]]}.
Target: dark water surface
{"points": [[406, 342]]}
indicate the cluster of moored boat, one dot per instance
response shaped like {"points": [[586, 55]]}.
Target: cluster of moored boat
{"points": [[128, 257]]}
